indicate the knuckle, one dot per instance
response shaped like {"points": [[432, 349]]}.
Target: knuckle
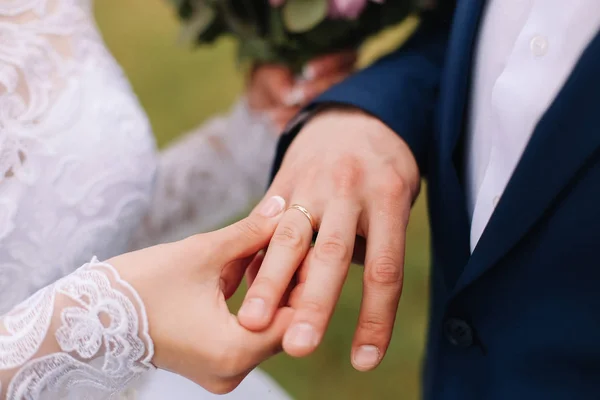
{"points": [[392, 189], [348, 175], [374, 324], [391, 185], [249, 228], [397, 188], [288, 235], [385, 269], [313, 307], [332, 248], [305, 167], [264, 287]]}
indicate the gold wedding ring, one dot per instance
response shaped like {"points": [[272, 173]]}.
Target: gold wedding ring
{"points": [[306, 214]]}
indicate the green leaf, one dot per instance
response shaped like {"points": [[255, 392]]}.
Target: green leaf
{"points": [[203, 16], [215, 30], [276, 28], [328, 35], [256, 49], [302, 15]]}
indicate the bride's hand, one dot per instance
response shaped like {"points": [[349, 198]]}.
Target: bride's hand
{"points": [[184, 286], [274, 90]]}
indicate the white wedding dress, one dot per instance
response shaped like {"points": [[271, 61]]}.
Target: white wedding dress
{"points": [[80, 177]]}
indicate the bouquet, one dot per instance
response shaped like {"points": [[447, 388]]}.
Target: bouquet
{"points": [[289, 32]]}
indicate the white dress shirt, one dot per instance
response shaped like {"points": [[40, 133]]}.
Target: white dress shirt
{"points": [[525, 52]]}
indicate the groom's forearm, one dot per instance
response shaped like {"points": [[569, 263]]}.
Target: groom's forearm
{"points": [[401, 89]]}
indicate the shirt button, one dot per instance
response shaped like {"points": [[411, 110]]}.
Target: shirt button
{"points": [[496, 200], [458, 332], [539, 45]]}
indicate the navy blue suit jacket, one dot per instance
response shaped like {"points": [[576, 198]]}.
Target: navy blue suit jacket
{"points": [[519, 318]]}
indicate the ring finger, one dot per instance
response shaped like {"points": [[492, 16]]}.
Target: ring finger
{"points": [[287, 250]]}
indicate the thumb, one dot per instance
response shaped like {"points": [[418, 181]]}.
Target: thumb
{"points": [[255, 347], [253, 233], [279, 84], [330, 64]]}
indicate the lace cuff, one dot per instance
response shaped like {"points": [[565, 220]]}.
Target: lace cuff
{"points": [[85, 336]]}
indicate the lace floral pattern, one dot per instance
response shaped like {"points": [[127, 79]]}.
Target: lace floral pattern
{"points": [[34, 69], [77, 170], [101, 342], [77, 162], [77, 159]]}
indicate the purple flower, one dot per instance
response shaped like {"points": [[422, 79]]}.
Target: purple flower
{"points": [[348, 9]]}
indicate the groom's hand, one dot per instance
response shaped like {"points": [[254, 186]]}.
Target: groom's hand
{"points": [[355, 177]]}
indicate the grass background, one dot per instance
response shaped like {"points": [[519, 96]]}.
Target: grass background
{"points": [[180, 88]]}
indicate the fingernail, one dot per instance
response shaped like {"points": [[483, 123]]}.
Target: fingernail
{"points": [[253, 308], [308, 73], [366, 357], [272, 207], [295, 97], [302, 335]]}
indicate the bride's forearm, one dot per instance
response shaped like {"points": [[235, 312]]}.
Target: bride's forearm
{"points": [[209, 176]]}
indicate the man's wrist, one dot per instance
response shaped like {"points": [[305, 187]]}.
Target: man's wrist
{"points": [[305, 116]]}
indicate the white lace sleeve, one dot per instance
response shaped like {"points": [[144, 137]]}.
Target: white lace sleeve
{"points": [[84, 337], [210, 175]]}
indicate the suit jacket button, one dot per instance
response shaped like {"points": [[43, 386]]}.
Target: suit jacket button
{"points": [[458, 332]]}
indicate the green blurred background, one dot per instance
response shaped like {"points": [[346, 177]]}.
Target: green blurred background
{"points": [[179, 89]]}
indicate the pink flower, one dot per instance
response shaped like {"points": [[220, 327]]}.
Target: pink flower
{"points": [[276, 3], [348, 9]]}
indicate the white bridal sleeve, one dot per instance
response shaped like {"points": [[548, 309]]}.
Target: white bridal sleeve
{"points": [[86, 335], [83, 337], [209, 176]]}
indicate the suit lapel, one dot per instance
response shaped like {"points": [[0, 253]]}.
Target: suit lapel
{"points": [[454, 97], [458, 71], [565, 138]]}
